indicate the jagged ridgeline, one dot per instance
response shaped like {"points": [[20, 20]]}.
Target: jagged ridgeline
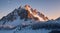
{"points": [[26, 13]]}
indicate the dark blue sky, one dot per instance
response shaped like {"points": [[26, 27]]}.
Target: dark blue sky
{"points": [[50, 8]]}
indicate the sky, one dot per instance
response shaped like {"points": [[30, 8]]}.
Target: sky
{"points": [[50, 8]]}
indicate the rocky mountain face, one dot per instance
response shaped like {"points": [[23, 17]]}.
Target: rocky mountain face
{"points": [[22, 15], [25, 13]]}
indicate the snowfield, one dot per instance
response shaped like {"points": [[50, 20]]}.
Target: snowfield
{"points": [[26, 31]]}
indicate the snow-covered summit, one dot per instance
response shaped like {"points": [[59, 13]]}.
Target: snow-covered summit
{"points": [[25, 12]]}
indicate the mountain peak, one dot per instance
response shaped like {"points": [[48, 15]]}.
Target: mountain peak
{"points": [[25, 13]]}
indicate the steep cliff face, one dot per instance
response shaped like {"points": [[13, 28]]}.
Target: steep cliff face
{"points": [[33, 13], [24, 13]]}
